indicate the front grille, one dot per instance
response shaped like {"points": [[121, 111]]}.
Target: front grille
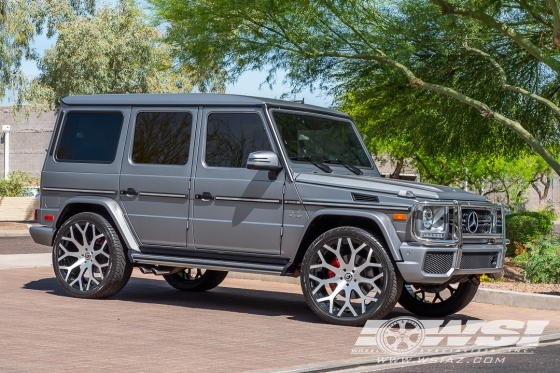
{"points": [[479, 260], [438, 262], [476, 221]]}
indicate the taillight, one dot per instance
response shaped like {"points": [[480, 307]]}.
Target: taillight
{"points": [[49, 217], [36, 215]]}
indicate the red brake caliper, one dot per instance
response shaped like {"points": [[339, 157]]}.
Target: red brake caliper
{"points": [[334, 263]]}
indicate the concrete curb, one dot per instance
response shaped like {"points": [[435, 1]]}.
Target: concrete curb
{"points": [[14, 233], [518, 299], [25, 260]]}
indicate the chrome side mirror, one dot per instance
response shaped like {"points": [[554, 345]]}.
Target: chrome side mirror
{"points": [[264, 160]]}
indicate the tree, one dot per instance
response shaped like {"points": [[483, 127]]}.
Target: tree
{"points": [[114, 51], [433, 46], [20, 22]]}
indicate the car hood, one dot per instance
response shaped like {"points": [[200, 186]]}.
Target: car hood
{"points": [[388, 186]]}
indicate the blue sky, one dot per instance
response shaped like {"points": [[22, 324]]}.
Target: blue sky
{"points": [[248, 84]]}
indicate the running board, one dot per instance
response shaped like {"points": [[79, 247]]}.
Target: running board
{"points": [[220, 265]]}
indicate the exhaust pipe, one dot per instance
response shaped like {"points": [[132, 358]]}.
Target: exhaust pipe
{"points": [[158, 271]]}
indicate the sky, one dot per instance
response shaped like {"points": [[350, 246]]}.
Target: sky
{"points": [[248, 84]]}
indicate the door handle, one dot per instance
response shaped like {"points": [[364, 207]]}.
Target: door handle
{"points": [[130, 192], [206, 196]]}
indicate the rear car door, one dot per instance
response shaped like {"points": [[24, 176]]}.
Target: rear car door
{"points": [[235, 209], [155, 176]]}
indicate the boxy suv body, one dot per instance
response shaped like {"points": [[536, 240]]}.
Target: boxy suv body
{"points": [[191, 186]]}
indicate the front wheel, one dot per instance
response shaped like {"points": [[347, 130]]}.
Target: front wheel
{"points": [[438, 300], [88, 257], [348, 278], [195, 279]]}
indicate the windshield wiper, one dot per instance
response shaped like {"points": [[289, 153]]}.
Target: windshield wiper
{"points": [[354, 169], [320, 165]]}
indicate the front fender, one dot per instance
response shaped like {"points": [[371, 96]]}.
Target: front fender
{"points": [[113, 208], [381, 219]]}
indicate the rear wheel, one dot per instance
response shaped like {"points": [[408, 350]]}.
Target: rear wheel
{"points": [[438, 300], [348, 278], [195, 279], [88, 257]]}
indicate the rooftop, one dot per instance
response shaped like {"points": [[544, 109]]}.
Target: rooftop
{"points": [[194, 99]]}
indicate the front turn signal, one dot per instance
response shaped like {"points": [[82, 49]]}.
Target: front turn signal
{"points": [[401, 217]]}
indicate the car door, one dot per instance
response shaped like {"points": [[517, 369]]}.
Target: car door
{"points": [[235, 209], [155, 174]]}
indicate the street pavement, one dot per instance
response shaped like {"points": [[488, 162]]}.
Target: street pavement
{"points": [[243, 325]]}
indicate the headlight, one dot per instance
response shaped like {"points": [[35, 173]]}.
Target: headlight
{"points": [[431, 222], [427, 217]]}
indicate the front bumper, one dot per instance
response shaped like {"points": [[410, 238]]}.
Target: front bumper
{"points": [[42, 235], [437, 265]]}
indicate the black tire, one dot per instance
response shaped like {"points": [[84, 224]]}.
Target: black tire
{"points": [[89, 239], [371, 264], [193, 280], [431, 305]]}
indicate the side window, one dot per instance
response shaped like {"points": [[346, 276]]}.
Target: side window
{"points": [[90, 137], [231, 137], [162, 138]]}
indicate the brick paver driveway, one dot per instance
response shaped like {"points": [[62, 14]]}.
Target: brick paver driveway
{"points": [[241, 326]]}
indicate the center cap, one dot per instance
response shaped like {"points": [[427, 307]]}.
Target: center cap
{"points": [[348, 276], [88, 256]]}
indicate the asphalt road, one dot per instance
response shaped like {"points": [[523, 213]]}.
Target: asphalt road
{"points": [[21, 245]]}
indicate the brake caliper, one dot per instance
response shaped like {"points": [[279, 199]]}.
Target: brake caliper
{"points": [[331, 274]]}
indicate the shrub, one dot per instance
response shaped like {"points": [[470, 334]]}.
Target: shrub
{"points": [[526, 226], [543, 263], [17, 184]]}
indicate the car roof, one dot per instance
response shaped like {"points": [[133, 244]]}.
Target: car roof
{"points": [[194, 99]]}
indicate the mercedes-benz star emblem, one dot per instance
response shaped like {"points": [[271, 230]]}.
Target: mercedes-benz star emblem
{"points": [[472, 222]]}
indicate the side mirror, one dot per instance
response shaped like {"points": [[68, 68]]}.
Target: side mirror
{"points": [[264, 160]]}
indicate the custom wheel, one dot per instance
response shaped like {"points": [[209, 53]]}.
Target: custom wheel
{"points": [[195, 279], [348, 278], [88, 257], [438, 300]]}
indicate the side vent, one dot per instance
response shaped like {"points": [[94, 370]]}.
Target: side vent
{"points": [[364, 198]]}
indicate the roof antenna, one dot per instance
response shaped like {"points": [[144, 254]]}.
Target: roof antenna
{"points": [[302, 101]]}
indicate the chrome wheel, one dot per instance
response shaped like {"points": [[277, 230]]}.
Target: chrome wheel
{"points": [[191, 274], [432, 294], [195, 279], [347, 277], [88, 258], [436, 300], [83, 256]]}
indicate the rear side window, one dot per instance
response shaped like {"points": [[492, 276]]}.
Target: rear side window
{"points": [[90, 137], [162, 138], [231, 137]]}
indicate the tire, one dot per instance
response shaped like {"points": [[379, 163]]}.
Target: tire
{"points": [[354, 259], [88, 258], [193, 280], [444, 301]]}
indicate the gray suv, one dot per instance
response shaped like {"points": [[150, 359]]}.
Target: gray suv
{"points": [[190, 186]]}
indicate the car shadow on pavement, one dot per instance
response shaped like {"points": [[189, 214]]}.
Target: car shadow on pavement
{"points": [[222, 298]]}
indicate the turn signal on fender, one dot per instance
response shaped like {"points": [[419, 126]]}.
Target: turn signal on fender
{"points": [[402, 217]]}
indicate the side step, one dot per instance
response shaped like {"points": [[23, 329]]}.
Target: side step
{"points": [[220, 265]]}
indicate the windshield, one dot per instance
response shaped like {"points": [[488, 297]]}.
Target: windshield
{"points": [[321, 139]]}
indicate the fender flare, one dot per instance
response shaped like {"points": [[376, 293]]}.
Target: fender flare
{"points": [[381, 219], [113, 208]]}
